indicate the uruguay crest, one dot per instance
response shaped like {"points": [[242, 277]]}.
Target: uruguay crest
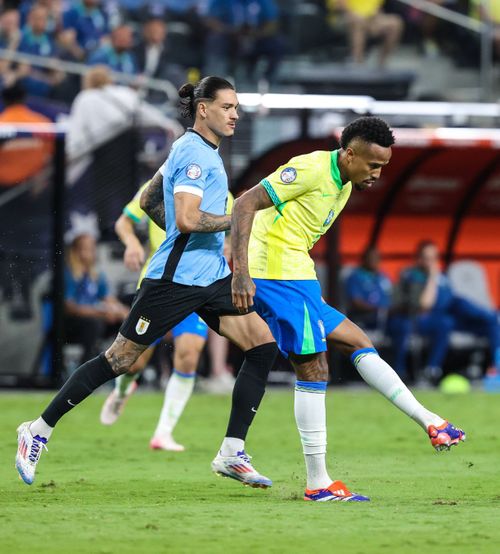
{"points": [[142, 325]]}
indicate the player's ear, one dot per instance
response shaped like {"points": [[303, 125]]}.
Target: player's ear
{"points": [[202, 109]]}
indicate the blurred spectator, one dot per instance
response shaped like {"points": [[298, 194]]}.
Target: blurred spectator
{"points": [[24, 157], [243, 31], [10, 32], [368, 292], [427, 305], [153, 57], [490, 14], [54, 14], [35, 40], [366, 19], [89, 307], [118, 54], [101, 142], [431, 28], [89, 22]]}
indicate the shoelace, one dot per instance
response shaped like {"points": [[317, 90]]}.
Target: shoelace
{"points": [[36, 449], [245, 457]]}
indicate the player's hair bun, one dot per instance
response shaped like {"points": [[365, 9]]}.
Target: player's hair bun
{"points": [[187, 91]]}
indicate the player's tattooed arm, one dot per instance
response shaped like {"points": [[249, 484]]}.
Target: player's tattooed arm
{"points": [[152, 200], [190, 219], [244, 209]]}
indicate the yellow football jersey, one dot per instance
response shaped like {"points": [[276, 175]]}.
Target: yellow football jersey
{"points": [[134, 211], [308, 196]]}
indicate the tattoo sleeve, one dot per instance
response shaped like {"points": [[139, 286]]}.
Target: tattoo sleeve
{"points": [[210, 223], [241, 224], [152, 200]]}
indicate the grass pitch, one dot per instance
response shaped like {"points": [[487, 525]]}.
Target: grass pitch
{"points": [[101, 490]]}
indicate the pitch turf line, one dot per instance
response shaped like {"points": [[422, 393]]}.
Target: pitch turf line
{"points": [[108, 493]]}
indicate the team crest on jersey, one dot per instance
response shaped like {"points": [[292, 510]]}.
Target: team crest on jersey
{"points": [[288, 175], [142, 325], [328, 220], [193, 171]]}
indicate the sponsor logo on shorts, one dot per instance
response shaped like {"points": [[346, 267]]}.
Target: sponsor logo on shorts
{"points": [[142, 325], [193, 171], [288, 175], [321, 326]]}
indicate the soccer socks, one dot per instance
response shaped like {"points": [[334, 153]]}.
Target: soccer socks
{"points": [[85, 380], [310, 415], [177, 393], [248, 391], [380, 375], [122, 383]]}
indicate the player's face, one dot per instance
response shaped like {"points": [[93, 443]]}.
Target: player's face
{"points": [[222, 113], [365, 162]]}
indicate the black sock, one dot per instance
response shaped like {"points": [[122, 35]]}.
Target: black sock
{"points": [[85, 380], [250, 387]]}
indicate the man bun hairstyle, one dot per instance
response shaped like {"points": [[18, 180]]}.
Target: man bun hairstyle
{"points": [[369, 129], [206, 89]]}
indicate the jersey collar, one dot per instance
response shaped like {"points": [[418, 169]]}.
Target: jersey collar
{"points": [[334, 169], [211, 144]]}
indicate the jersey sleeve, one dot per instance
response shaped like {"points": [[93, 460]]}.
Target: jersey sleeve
{"points": [[293, 179], [191, 171], [133, 209]]}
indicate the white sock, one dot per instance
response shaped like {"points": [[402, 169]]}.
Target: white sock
{"points": [[231, 446], [177, 393], [380, 375], [40, 428], [310, 415]]}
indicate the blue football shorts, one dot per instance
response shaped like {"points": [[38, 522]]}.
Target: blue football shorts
{"points": [[299, 318]]}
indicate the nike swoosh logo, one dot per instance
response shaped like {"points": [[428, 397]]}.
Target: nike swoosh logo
{"points": [[254, 410], [71, 403]]}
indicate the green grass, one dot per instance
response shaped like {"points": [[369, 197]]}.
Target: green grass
{"points": [[101, 490]]}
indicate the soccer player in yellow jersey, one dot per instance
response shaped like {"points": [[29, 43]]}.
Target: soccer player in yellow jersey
{"points": [[290, 210], [189, 337]]}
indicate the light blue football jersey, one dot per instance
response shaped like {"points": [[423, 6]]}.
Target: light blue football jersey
{"points": [[194, 166]]}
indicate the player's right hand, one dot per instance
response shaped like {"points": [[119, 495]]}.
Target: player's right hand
{"points": [[243, 291], [133, 257]]}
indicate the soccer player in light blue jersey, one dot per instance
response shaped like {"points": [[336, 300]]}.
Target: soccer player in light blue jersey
{"points": [[187, 274]]}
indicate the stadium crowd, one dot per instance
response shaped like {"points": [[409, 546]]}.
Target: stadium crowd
{"points": [[247, 39]]}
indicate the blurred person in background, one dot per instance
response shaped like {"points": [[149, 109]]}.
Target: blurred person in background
{"points": [[154, 59], [10, 29], [117, 54], [54, 13], [243, 31], [89, 306], [189, 338], [89, 22], [101, 143], [425, 304], [368, 292], [366, 19], [36, 40]]}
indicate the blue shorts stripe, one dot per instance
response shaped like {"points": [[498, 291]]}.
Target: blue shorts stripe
{"points": [[318, 387], [361, 353]]}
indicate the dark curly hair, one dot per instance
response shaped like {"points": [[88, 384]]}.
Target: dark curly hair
{"points": [[206, 89], [369, 129]]}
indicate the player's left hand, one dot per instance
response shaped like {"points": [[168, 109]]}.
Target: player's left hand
{"points": [[243, 291]]}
